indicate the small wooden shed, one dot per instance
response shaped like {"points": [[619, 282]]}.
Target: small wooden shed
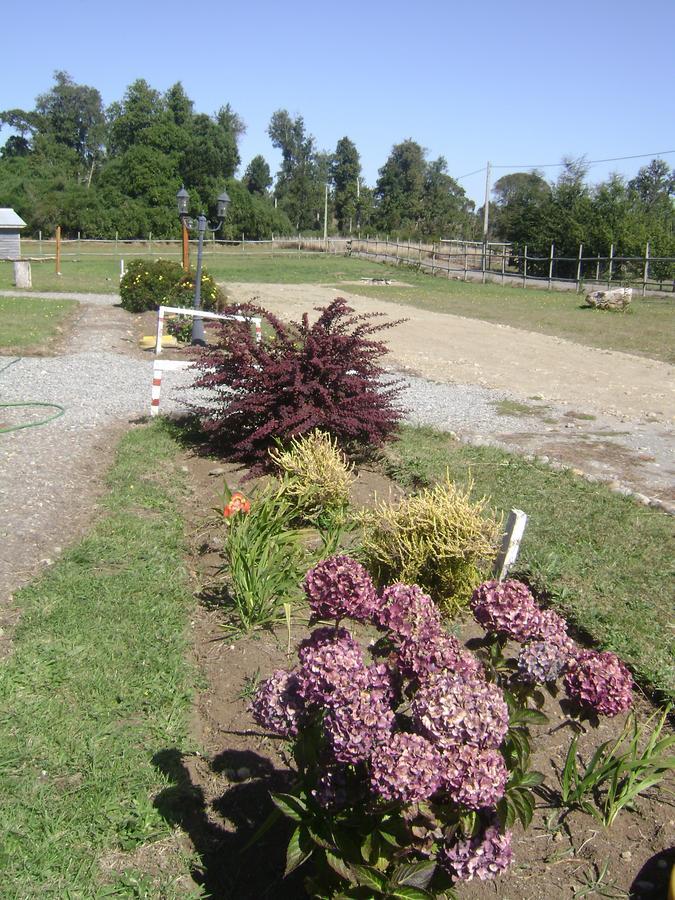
{"points": [[10, 234]]}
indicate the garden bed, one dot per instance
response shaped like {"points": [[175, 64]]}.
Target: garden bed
{"points": [[221, 793]]}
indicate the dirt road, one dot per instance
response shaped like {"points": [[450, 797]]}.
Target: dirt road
{"points": [[452, 349], [609, 414]]}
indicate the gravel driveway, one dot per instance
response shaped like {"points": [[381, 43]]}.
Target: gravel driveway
{"points": [[50, 476]]}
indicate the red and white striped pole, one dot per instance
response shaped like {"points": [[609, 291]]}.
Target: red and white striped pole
{"points": [[156, 389]]}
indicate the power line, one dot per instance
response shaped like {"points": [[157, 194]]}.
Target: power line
{"points": [[469, 174], [590, 162]]}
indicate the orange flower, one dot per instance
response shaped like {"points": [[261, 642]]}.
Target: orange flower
{"points": [[238, 503]]}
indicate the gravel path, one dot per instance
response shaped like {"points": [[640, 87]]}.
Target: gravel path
{"points": [[50, 475]]}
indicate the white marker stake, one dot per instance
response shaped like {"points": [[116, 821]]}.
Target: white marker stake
{"points": [[515, 527], [159, 366]]}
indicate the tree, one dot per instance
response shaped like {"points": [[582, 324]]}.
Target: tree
{"points": [[519, 200], [400, 188], [179, 105], [345, 175], [654, 184], [299, 188], [140, 107], [446, 210], [257, 176], [72, 114]]}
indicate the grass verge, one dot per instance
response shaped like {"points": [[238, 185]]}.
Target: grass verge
{"points": [[27, 322], [605, 561], [97, 684]]}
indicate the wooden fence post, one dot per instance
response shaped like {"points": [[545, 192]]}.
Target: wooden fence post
{"points": [[646, 273], [515, 527], [525, 266], [611, 266], [597, 270], [550, 267], [581, 248], [58, 249]]}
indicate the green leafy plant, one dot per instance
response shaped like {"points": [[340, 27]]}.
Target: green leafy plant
{"points": [[148, 284], [618, 772], [265, 560], [180, 327], [440, 539], [315, 476]]}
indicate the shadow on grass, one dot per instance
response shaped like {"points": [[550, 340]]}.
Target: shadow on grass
{"points": [[220, 827]]}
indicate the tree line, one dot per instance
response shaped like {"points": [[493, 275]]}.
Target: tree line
{"points": [[101, 171]]}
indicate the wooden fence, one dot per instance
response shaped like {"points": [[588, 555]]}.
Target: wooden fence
{"points": [[471, 260], [464, 260]]}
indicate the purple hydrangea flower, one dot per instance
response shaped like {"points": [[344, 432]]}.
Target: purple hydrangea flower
{"points": [[441, 652], [277, 704], [551, 627], [483, 856], [600, 681], [477, 778], [407, 611], [340, 587], [329, 658], [507, 607], [454, 711], [357, 720], [407, 768], [541, 661]]}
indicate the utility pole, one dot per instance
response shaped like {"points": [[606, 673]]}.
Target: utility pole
{"points": [[486, 207], [486, 219]]}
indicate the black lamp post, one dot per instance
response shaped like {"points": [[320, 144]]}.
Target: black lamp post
{"points": [[182, 199]]}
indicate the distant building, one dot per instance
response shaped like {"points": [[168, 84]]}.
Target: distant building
{"points": [[10, 234]]}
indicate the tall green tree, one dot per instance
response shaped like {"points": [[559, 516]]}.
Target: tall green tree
{"points": [[72, 114], [257, 176], [299, 186], [519, 200], [345, 175], [446, 210], [399, 192]]}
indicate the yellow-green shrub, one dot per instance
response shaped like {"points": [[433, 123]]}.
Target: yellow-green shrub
{"points": [[315, 476], [440, 539]]}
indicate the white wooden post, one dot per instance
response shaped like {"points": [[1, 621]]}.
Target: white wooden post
{"points": [[525, 267], [515, 527], [581, 249], [611, 266], [646, 274], [550, 267]]}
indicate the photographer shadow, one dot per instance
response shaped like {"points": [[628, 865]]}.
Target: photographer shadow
{"points": [[221, 828]]}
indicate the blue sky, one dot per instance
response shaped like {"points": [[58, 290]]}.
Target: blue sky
{"points": [[518, 84]]}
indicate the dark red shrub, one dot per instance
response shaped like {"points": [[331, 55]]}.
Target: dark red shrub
{"points": [[300, 377]]}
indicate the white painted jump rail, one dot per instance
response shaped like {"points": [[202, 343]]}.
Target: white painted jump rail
{"points": [[172, 365]]}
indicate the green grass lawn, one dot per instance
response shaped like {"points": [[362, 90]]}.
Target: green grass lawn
{"points": [[97, 683], [606, 562], [645, 329], [28, 322]]}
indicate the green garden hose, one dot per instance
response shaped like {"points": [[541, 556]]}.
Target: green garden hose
{"points": [[57, 406], [60, 410]]}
